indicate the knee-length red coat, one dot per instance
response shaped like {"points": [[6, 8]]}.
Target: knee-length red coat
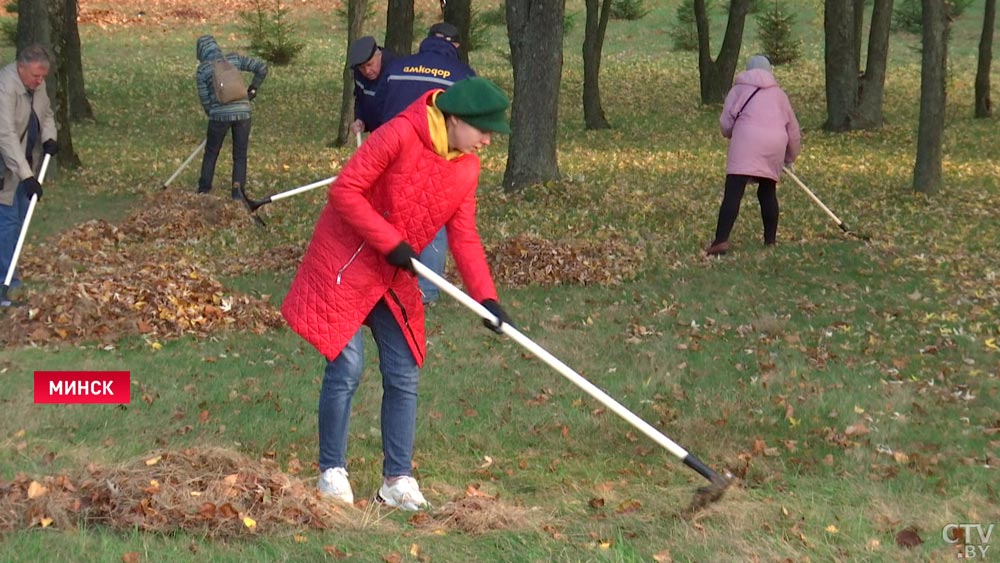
{"points": [[395, 188]]}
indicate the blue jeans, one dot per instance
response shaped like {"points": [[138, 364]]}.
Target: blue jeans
{"points": [[11, 220], [400, 376], [433, 256], [241, 142]]}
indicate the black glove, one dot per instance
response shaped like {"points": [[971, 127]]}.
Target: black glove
{"points": [[251, 93], [494, 307], [32, 187], [402, 256], [50, 147]]}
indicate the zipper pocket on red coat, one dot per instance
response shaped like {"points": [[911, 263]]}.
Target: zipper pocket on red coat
{"points": [[340, 272]]}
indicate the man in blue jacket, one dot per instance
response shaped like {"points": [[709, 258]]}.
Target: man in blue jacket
{"points": [[367, 60], [435, 65]]}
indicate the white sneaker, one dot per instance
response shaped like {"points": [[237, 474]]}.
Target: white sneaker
{"points": [[403, 493], [333, 483]]}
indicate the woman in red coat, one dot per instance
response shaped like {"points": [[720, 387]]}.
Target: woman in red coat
{"points": [[415, 174]]}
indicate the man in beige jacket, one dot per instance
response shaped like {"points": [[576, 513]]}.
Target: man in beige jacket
{"points": [[27, 129]]}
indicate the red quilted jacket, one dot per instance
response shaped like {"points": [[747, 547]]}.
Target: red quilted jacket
{"points": [[395, 188]]}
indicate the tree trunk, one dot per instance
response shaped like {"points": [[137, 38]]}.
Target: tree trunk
{"points": [[593, 44], [59, 77], [841, 65], [79, 106], [33, 24], [399, 27], [43, 21], [859, 30], [716, 76], [459, 14], [355, 21], [933, 70], [535, 31], [984, 108], [871, 94]]}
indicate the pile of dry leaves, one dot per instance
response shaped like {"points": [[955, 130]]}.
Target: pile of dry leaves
{"points": [[527, 260], [154, 274], [220, 494], [103, 282], [210, 491]]}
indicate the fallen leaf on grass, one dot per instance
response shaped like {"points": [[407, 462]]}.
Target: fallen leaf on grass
{"points": [[627, 506], [36, 489], [335, 552], [908, 538], [858, 429]]}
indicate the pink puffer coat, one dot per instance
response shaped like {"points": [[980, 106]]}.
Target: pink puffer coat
{"points": [[395, 188], [766, 134]]}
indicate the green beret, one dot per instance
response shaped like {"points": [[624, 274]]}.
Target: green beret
{"points": [[478, 102]]}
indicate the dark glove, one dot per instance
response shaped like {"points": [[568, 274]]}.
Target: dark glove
{"points": [[32, 187], [50, 147], [402, 256], [494, 307], [251, 93]]}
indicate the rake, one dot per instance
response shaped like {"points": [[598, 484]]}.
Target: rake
{"points": [[254, 204], [184, 164], [843, 226], [705, 495], [4, 300]]}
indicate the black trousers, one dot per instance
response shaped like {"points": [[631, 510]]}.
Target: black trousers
{"points": [[767, 195], [216, 135]]}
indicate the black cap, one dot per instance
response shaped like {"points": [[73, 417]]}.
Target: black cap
{"points": [[446, 30], [361, 50]]}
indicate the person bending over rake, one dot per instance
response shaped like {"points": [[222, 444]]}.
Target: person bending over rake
{"points": [[414, 174], [763, 133]]}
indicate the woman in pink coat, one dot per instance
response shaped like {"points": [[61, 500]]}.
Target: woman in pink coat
{"points": [[763, 135]]}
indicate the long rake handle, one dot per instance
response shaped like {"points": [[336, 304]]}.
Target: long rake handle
{"points": [[568, 373], [185, 163], [809, 192], [300, 189], [24, 228]]}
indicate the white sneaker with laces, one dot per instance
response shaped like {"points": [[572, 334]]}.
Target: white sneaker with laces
{"points": [[403, 493], [333, 483]]}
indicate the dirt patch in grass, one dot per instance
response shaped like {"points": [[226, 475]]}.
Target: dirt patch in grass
{"points": [[529, 260], [474, 511], [106, 13]]}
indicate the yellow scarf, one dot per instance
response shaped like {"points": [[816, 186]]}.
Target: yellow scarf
{"points": [[439, 130]]}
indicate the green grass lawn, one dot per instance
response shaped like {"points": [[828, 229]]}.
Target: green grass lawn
{"points": [[852, 387]]}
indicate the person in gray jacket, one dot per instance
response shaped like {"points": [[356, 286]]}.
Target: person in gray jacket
{"points": [[223, 117], [27, 129]]}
